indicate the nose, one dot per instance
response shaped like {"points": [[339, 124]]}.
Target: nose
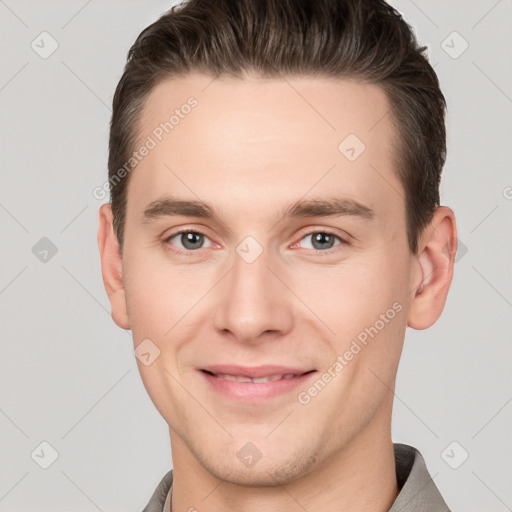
{"points": [[254, 302]]}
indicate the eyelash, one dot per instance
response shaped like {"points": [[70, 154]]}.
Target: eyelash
{"points": [[316, 251]]}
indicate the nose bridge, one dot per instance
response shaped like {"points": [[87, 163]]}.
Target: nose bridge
{"points": [[253, 301]]}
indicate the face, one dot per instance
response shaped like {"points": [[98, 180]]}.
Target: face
{"points": [[265, 237]]}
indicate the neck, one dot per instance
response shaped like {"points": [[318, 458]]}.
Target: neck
{"points": [[361, 476]]}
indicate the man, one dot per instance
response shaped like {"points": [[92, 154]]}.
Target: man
{"points": [[274, 228]]}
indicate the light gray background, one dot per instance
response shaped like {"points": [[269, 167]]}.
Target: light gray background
{"points": [[68, 375]]}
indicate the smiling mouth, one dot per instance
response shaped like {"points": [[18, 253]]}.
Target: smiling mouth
{"points": [[255, 385], [260, 380]]}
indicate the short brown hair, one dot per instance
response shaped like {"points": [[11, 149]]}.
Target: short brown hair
{"points": [[366, 40]]}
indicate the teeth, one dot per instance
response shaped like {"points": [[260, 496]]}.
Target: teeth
{"points": [[270, 378]]}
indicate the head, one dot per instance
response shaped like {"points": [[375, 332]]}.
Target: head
{"points": [[272, 128]]}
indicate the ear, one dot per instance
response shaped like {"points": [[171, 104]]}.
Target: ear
{"points": [[434, 263], [111, 267]]}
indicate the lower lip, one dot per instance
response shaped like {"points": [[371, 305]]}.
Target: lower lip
{"points": [[255, 391]]}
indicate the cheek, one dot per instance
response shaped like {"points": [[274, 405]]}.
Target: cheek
{"points": [[160, 294], [353, 295], [363, 305]]}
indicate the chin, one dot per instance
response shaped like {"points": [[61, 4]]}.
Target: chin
{"points": [[266, 472]]}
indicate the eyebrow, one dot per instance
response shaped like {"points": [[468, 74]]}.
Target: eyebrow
{"points": [[335, 206]]}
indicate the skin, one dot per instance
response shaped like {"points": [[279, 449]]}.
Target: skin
{"points": [[250, 148]]}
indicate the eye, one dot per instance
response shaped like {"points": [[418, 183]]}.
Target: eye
{"points": [[322, 241], [187, 240]]}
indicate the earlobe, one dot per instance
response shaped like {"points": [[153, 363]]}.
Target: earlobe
{"points": [[111, 267], [434, 262]]}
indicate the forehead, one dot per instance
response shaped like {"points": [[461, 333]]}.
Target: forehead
{"points": [[272, 139]]}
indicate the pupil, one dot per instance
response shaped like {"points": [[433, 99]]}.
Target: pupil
{"points": [[322, 238], [191, 240]]}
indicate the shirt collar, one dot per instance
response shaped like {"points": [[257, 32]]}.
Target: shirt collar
{"points": [[417, 488]]}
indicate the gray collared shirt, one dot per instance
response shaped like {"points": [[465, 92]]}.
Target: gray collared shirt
{"points": [[418, 492]]}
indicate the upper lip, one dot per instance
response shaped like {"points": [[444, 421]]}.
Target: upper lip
{"points": [[254, 372]]}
